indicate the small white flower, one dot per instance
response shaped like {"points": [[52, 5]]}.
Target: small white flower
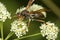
{"points": [[20, 10], [49, 30], [4, 14], [19, 28]]}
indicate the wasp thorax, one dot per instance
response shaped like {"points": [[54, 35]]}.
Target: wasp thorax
{"points": [[25, 13]]}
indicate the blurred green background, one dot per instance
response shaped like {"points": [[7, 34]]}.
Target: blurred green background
{"points": [[12, 5]]}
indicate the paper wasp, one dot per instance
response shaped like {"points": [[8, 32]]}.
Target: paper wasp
{"points": [[33, 15]]}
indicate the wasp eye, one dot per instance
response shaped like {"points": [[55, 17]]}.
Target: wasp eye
{"points": [[18, 14]]}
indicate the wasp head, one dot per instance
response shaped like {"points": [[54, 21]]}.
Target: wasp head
{"points": [[24, 13]]}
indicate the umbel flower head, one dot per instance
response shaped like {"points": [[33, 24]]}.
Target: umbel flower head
{"points": [[19, 28], [49, 30], [4, 14], [34, 7]]}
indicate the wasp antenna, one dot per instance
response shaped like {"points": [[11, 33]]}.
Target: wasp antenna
{"points": [[29, 3]]}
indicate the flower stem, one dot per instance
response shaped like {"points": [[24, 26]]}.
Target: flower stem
{"points": [[9, 35], [28, 36], [50, 4], [1, 25]]}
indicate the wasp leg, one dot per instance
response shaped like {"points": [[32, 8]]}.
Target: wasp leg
{"points": [[39, 20], [29, 3], [29, 22]]}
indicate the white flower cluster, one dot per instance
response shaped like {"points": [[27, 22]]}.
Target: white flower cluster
{"points": [[49, 30], [20, 10], [34, 7], [19, 28], [4, 13]]}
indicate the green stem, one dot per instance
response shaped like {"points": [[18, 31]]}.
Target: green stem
{"points": [[9, 35], [28, 36], [52, 6], [1, 25]]}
